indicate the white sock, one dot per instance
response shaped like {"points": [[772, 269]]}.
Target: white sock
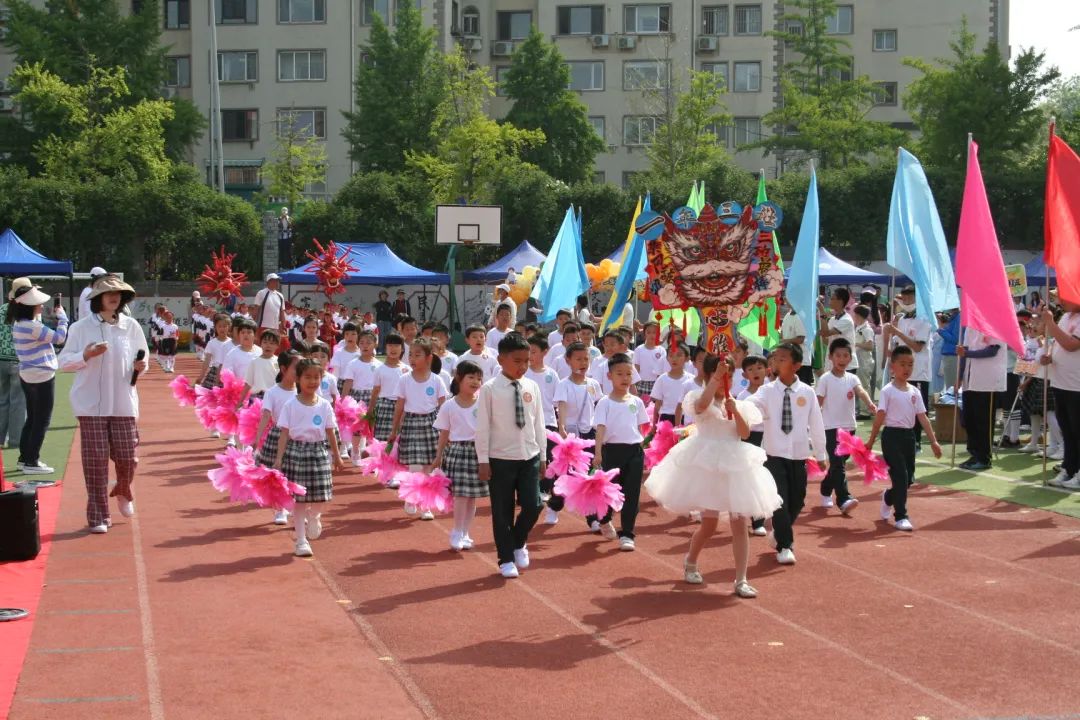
{"points": [[359, 444], [461, 509], [1012, 426], [1055, 430], [470, 513], [300, 522], [1036, 430]]}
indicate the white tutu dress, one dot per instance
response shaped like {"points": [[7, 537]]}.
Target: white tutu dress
{"points": [[714, 470]]}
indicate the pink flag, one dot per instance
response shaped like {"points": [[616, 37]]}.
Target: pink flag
{"points": [[986, 303]]}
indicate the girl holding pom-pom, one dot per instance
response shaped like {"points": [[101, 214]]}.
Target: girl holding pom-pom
{"points": [[714, 472], [456, 453], [307, 426], [273, 402], [216, 350], [420, 393]]}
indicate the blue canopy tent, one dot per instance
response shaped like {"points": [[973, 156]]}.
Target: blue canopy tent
{"points": [[378, 265], [834, 271], [17, 258], [521, 256], [1037, 271]]}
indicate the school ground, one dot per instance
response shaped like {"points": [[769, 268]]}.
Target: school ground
{"points": [[197, 609]]}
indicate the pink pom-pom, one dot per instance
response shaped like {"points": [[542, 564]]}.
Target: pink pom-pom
{"points": [[351, 418], [873, 466], [662, 441], [226, 420], [247, 424], [230, 392], [205, 416], [568, 455], [247, 481], [384, 465], [814, 472], [183, 391], [590, 494], [427, 492], [270, 488]]}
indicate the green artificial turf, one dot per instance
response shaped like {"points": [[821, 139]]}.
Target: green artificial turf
{"points": [[58, 439]]}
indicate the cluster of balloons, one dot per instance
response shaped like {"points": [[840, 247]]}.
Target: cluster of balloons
{"points": [[523, 285], [602, 275]]}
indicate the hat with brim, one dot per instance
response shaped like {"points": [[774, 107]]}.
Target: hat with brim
{"points": [[504, 287], [112, 283], [26, 293]]}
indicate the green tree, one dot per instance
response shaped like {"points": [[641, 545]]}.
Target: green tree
{"points": [[299, 160], [685, 142], [978, 92], [399, 85], [473, 151], [70, 39], [824, 107], [1063, 104], [538, 81]]}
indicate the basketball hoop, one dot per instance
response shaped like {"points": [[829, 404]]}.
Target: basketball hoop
{"points": [[468, 225]]}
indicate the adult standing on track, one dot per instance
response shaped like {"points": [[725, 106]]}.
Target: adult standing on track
{"points": [[102, 351], [12, 400], [84, 296], [269, 306]]}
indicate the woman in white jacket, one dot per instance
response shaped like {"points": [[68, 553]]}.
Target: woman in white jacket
{"points": [[103, 350]]}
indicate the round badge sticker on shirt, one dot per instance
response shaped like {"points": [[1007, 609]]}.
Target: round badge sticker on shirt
{"points": [[850, 394], [527, 397], [632, 405], [325, 385], [801, 402], [549, 378], [430, 391], [317, 420]]}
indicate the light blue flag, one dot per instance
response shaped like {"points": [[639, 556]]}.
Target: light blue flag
{"points": [[916, 242], [802, 284], [563, 278]]}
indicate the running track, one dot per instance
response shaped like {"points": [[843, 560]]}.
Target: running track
{"points": [[198, 609]]}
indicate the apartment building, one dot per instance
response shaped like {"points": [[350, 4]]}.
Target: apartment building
{"points": [[294, 61]]}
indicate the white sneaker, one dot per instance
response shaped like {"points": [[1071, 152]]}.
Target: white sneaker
{"points": [[410, 509], [509, 570], [771, 539], [393, 484], [904, 525], [1059, 480], [39, 469], [695, 516], [827, 502], [303, 549], [343, 453], [467, 542], [608, 531], [1029, 448], [521, 558], [281, 517], [456, 543], [1073, 484], [215, 434], [427, 515], [849, 505], [231, 442], [626, 544], [99, 529], [758, 531], [127, 507], [551, 517], [356, 461], [885, 510], [314, 527], [1057, 453], [786, 557], [594, 526]]}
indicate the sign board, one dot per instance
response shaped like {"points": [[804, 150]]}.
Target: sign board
{"points": [[1017, 275], [468, 225]]}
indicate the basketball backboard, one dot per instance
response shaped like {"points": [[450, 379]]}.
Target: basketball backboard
{"points": [[468, 225]]}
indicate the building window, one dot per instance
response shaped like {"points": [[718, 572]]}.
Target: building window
{"points": [[747, 19], [237, 12], [884, 41], [747, 77], [397, 8], [580, 20], [470, 21], [796, 28], [305, 122], [301, 11], [598, 123], [645, 75], [886, 93], [644, 19], [239, 125], [238, 66], [587, 75], [747, 130], [722, 133], [843, 22], [178, 71], [368, 9], [242, 175], [500, 80], [715, 20], [845, 74], [177, 14], [628, 178], [315, 190], [720, 70], [639, 129], [513, 25], [297, 65], [599, 178]]}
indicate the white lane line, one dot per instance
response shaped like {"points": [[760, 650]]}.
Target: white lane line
{"points": [[153, 680]]}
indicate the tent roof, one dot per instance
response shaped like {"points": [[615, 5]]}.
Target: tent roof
{"points": [[18, 258], [1036, 271], [834, 271], [378, 265], [524, 254]]}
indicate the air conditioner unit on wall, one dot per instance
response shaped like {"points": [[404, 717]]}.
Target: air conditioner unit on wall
{"points": [[627, 42], [601, 41], [706, 44], [502, 49], [472, 44]]}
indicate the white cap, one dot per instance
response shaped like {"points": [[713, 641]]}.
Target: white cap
{"points": [[196, 294], [95, 271], [504, 287], [272, 276]]}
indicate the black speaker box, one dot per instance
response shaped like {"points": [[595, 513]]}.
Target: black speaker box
{"points": [[20, 538]]}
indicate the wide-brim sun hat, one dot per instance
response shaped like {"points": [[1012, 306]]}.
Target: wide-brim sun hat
{"points": [[112, 283], [25, 292]]}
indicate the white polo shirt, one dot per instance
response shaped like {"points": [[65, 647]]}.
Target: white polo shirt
{"points": [[984, 374]]}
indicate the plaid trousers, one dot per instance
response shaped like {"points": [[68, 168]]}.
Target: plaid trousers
{"points": [[104, 438]]}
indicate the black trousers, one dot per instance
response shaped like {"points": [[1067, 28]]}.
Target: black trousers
{"points": [[167, 346], [669, 418], [790, 478], [924, 390], [755, 438], [630, 460], [898, 449], [979, 424], [1068, 417], [513, 482], [835, 480], [558, 502], [39, 407]]}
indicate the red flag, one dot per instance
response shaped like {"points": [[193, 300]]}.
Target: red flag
{"points": [[1062, 227]]}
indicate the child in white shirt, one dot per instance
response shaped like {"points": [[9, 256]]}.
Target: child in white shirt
{"points": [[836, 391], [456, 454], [420, 393]]}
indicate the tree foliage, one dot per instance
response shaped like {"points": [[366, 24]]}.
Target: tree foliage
{"points": [[400, 82], [298, 160], [1063, 105], [978, 92], [823, 112], [537, 82], [685, 142]]}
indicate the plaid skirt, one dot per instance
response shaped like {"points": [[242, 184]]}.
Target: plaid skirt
{"points": [[644, 387], [1032, 399], [268, 452], [213, 377], [418, 441], [384, 418], [340, 386], [460, 465], [308, 464], [363, 396]]}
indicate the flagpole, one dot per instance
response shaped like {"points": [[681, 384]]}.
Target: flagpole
{"points": [[1046, 368]]}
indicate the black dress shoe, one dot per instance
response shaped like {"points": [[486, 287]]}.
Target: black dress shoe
{"points": [[978, 466]]}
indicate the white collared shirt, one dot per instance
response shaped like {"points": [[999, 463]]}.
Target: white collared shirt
{"points": [[102, 386], [919, 330], [807, 436], [497, 433], [984, 374]]}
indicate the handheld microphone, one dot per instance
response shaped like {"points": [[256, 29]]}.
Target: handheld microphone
{"points": [[135, 373]]}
